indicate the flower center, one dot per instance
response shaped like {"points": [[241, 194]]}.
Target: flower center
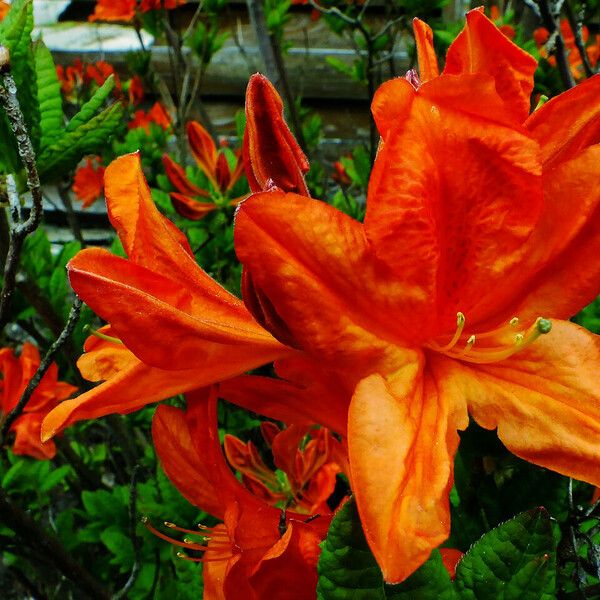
{"points": [[491, 346]]}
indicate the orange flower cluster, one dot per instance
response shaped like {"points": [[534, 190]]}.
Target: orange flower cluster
{"points": [[592, 48], [451, 299], [157, 114], [88, 185], [191, 201], [126, 10], [16, 373], [259, 550]]}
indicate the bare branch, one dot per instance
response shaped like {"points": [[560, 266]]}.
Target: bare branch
{"points": [[21, 229]]}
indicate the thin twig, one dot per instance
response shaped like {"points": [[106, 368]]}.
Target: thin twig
{"points": [[135, 540], [576, 27], [41, 370], [550, 11], [20, 230]]}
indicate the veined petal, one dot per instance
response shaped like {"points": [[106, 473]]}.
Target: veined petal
{"points": [[482, 48], [568, 123], [288, 570], [139, 384], [203, 478], [179, 180], [453, 238], [203, 148], [545, 400], [428, 64], [402, 436], [285, 401], [161, 322], [149, 238], [271, 154], [313, 264], [190, 208]]}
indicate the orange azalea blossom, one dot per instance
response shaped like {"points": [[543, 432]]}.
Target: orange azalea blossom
{"points": [[99, 72], [125, 10], [439, 305], [70, 77], [135, 90], [191, 201], [193, 332], [310, 472], [259, 551], [88, 184], [16, 373], [157, 114], [113, 10]]}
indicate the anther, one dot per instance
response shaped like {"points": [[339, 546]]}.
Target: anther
{"points": [[470, 343], [169, 524], [144, 519], [514, 322]]}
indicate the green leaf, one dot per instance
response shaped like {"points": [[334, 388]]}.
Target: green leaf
{"points": [[93, 105], [347, 568], [89, 138], [120, 546], [15, 34], [55, 477], [48, 94], [514, 561]]}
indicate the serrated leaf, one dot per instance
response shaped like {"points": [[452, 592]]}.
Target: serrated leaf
{"points": [[347, 568], [89, 138], [93, 105], [48, 94], [514, 561]]}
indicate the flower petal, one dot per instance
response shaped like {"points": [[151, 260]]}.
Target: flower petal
{"points": [[482, 48], [428, 64], [196, 476], [203, 148], [190, 208], [161, 321], [452, 238], [545, 400], [27, 438], [288, 570], [149, 238], [568, 123], [179, 180], [313, 264], [401, 440], [272, 157]]}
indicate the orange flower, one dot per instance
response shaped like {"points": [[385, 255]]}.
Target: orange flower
{"points": [[409, 335], [16, 373], [99, 72], [310, 472], [70, 77], [157, 114], [498, 19], [259, 552], [439, 303], [113, 10], [216, 168], [88, 184], [192, 331]]}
